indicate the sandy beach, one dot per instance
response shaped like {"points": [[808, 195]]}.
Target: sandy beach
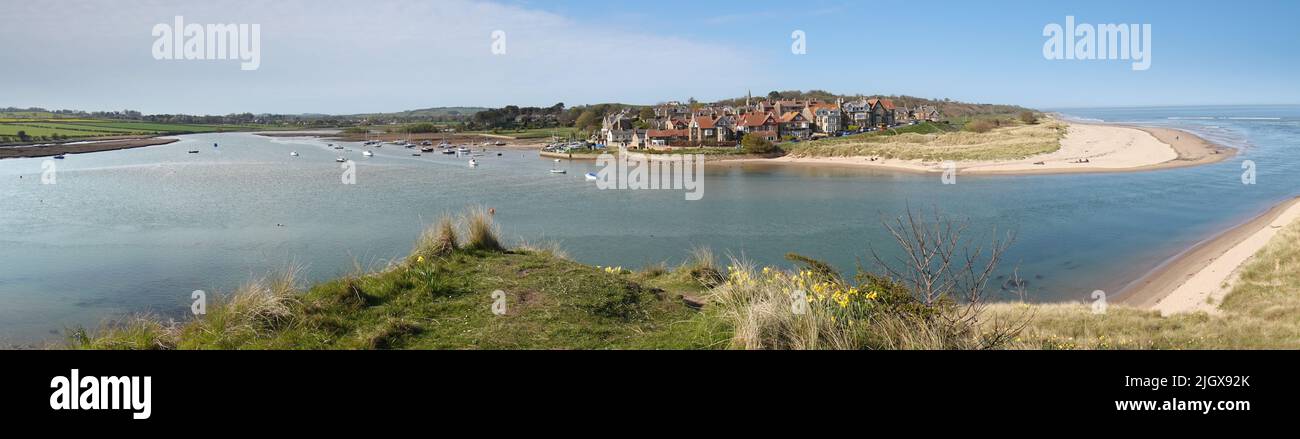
{"points": [[1199, 278], [81, 147], [1086, 148]]}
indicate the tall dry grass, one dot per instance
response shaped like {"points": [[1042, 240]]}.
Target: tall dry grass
{"points": [[438, 240], [481, 233]]}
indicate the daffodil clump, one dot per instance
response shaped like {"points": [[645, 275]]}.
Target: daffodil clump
{"points": [[845, 304], [614, 270]]}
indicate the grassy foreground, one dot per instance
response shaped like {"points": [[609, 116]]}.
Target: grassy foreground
{"points": [[937, 142], [476, 294]]}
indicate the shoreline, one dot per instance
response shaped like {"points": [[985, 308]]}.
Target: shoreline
{"points": [[1198, 278], [1157, 148], [82, 147]]}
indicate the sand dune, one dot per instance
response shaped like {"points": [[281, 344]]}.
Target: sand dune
{"points": [[1086, 148]]}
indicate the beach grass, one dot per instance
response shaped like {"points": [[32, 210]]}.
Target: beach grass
{"points": [[931, 141]]}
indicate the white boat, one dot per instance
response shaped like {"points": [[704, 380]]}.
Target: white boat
{"points": [[293, 154], [368, 154], [557, 160], [473, 163], [591, 176], [559, 171], [462, 150], [340, 159]]}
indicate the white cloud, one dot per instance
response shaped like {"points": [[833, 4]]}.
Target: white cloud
{"points": [[343, 56]]}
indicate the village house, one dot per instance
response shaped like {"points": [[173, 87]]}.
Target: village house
{"points": [[882, 112], [825, 117], [925, 113], [764, 125], [667, 137], [706, 129], [794, 124]]}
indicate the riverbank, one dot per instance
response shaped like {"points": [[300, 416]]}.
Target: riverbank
{"points": [[1200, 278], [1085, 148], [82, 147]]}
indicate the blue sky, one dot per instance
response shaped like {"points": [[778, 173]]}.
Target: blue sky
{"points": [[338, 56]]}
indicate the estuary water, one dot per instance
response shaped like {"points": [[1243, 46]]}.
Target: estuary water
{"points": [[138, 230]]}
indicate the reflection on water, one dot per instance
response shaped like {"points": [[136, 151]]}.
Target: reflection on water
{"points": [[138, 230]]}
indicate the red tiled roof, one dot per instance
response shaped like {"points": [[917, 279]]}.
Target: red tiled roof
{"points": [[888, 104], [789, 116], [705, 122], [755, 119]]}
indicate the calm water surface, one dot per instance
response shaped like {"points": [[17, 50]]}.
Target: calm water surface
{"points": [[138, 230]]}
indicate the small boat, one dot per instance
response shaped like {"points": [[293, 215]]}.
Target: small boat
{"points": [[591, 176], [194, 151], [340, 159], [500, 143], [293, 154], [337, 147], [559, 171], [368, 154], [462, 150], [426, 143], [498, 154], [557, 160], [426, 149], [415, 154], [59, 157], [214, 145], [448, 151], [472, 163]]}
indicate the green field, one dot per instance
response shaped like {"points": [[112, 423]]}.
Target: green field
{"points": [[39, 129]]}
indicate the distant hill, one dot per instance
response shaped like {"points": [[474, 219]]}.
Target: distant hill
{"points": [[435, 113]]}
